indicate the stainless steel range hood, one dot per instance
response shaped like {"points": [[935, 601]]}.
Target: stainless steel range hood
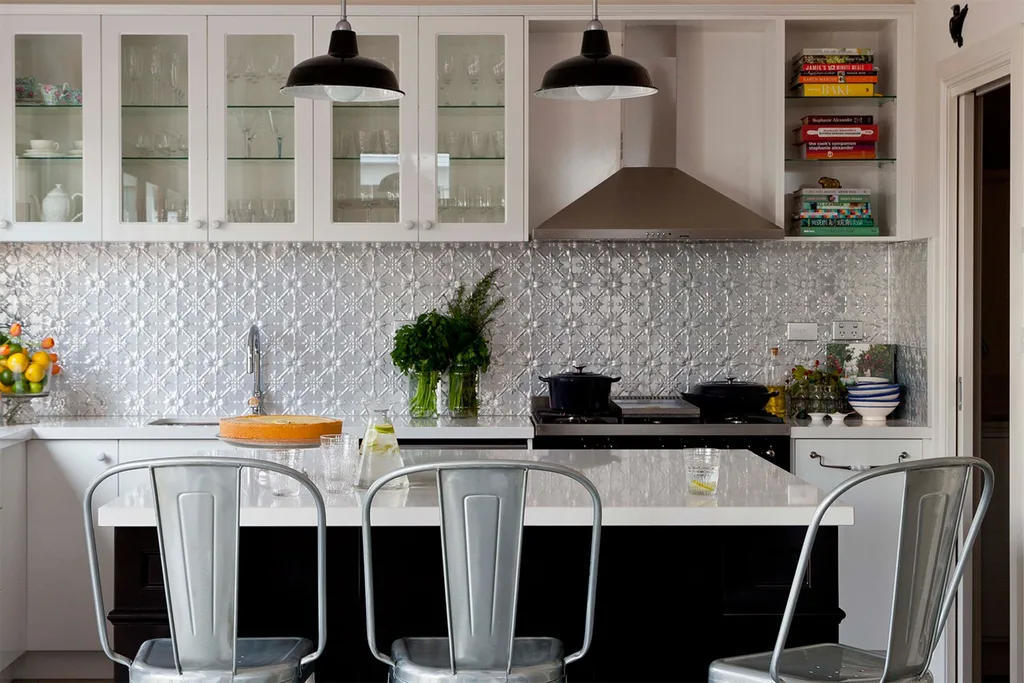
{"points": [[655, 204], [649, 198]]}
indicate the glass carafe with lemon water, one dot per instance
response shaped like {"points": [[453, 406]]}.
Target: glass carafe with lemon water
{"points": [[379, 453]]}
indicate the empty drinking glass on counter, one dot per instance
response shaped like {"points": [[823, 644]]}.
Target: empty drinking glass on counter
{"points": [[339, 462]]}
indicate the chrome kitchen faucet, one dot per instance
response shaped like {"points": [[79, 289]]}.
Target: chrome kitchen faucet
{"points": [[252, 365]]}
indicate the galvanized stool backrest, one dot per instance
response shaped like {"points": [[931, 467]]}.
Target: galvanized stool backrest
{"points": [[197, 503], [933, 501], [482, 503]]}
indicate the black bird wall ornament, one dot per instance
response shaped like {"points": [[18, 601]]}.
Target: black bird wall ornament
{"points": [[956, 25]]}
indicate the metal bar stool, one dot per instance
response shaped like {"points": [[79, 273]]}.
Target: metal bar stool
{"points": [[197, 505], [482, 505], [933, 501]]}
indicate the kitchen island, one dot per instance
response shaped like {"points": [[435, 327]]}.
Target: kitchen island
{"points": [[705, 575]]}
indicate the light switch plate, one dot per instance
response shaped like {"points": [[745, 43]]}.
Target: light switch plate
{"points": [[802, 331], [847, 330]]}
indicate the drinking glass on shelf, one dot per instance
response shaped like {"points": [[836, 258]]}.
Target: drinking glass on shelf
{"points": [[177, 79], [454, 143], [444, 202], [166, 144], [478, 144], [499, 77], [499, 143], [275, 71], [460, 199], [251, 72], [275, 130], [156, 70], [143, 145], [473, 74], [289, 211], [339, 462], [389, 141], [366, 196], [446, 73], [234, 69], [183, 145], [250, 124], [368, 142], [134, 73]]}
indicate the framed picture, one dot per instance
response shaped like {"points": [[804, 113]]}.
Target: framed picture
{"points": [[862, 360]]}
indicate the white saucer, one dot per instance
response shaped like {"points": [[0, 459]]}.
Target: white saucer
{"points": [[40, 154]]}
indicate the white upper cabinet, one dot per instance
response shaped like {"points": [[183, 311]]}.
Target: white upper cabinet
{"points": [[261, 141], [154, 128], [50, 128], [366, 159], [471, 116]]}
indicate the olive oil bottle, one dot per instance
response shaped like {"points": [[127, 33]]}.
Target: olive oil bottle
{"points": [[775, 379]]}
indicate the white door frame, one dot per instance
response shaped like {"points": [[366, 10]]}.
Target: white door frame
{"points": [[996, 58]]}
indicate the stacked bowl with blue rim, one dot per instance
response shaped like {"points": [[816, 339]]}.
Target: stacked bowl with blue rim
{"points": [[874, 398]]}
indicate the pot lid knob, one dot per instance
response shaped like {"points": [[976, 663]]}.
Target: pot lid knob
{"points": [[730, 380], [578, 367]]}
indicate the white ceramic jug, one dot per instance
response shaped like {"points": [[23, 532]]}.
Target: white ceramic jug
{"points": [[57, 205]]}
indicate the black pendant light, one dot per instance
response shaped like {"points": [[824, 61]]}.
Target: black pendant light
{"points": [[342, 75], [596, 74]]}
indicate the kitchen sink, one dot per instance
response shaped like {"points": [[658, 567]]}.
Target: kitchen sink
{"points": [[184, 422]]}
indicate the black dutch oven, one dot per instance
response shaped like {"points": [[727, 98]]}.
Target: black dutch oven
{"points": [[579, 392], [729, 397]]}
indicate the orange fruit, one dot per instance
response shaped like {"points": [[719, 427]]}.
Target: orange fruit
{"points": [[41, 358]]}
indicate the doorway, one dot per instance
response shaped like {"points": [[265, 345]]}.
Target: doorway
{"points": [[984, 358]]}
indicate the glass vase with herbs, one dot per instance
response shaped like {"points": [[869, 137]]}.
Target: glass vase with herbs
{"points": [[469, 316], [422, 353], [815, 390]]}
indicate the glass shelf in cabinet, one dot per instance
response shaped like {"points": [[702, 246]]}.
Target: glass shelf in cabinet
{"points": [[261, 106], [154, 158], [261, 158], [341, 105], [35, 159], [144, 107], [40, 105], [471, 106], [886, 160]]}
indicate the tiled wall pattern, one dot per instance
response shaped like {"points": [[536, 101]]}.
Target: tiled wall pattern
{"points": [[159, 329], [909, 324]]}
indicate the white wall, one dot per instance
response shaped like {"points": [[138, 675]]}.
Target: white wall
{"points": [[933, 44]]}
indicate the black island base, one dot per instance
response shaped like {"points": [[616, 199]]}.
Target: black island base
{"points": [[670, 600]]}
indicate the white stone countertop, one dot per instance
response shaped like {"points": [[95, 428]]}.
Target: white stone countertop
{"points": [[855, 428], [84, 428], [638, 488]]}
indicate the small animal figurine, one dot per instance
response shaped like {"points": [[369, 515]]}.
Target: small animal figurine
{"points": [[829, 183], [956, 25]]}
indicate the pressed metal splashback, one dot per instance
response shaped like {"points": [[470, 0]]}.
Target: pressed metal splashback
{"points": [[160, 329]]}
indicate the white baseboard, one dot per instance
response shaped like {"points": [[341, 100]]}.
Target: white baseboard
{"points": [[61, 665]]}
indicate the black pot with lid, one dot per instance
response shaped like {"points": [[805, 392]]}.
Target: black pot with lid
{"points": [[579, 392], [729, 397]]}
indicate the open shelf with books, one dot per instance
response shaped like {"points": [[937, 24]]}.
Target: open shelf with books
{"points": [[840, 137]]}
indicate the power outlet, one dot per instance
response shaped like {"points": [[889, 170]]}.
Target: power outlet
{"points": [[846, 330], [802, 331]]}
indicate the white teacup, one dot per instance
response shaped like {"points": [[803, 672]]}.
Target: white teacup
{"points": [[78, 144], [44, 145]]}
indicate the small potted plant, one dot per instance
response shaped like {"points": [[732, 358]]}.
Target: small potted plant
{"points": [[815, 390], [471, 354], [422, 353]]}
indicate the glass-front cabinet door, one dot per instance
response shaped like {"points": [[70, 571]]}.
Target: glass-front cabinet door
{"points": [[261, 141], [365, 178], [154, 128], [471, 129], [50, 128]]}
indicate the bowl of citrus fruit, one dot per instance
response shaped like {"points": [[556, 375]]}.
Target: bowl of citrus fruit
{"points": [[27, 367]]}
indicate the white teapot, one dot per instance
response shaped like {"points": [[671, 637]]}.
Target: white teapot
{"points": [[58, 204]]}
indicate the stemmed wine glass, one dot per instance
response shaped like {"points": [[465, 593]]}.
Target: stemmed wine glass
{"points": [[275, 72], [134, 73], [275, 130], [473, 73], [156, 70], [177, 75], [250, 124], [499, 78], [446, 74]]}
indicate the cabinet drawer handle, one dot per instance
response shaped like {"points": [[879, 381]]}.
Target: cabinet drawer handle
{"points": [[101, 456], [4, 225], [409, 225], [428, 225], [197, 224], [853, 468], [216, 225]]}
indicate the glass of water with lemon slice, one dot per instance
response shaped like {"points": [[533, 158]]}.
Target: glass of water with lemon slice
{"points": [[702, 465]]}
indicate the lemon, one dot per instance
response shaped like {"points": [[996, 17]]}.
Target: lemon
{"points": [[17, 363], [701, 485], [35, 372], [41, 358]]}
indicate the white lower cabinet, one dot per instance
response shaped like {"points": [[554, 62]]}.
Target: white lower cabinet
{"points": [[867, 550], [61, 615], [132, 451], [13, 602]]}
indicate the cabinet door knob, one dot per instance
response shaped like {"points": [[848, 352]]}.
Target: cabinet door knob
{"points": [[4, 225], [101, 456], [428, 225], [216, 225], [409, 225], [197, 224]]}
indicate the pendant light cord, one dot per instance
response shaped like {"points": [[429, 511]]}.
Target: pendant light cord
{"points": [[343, 24]]}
